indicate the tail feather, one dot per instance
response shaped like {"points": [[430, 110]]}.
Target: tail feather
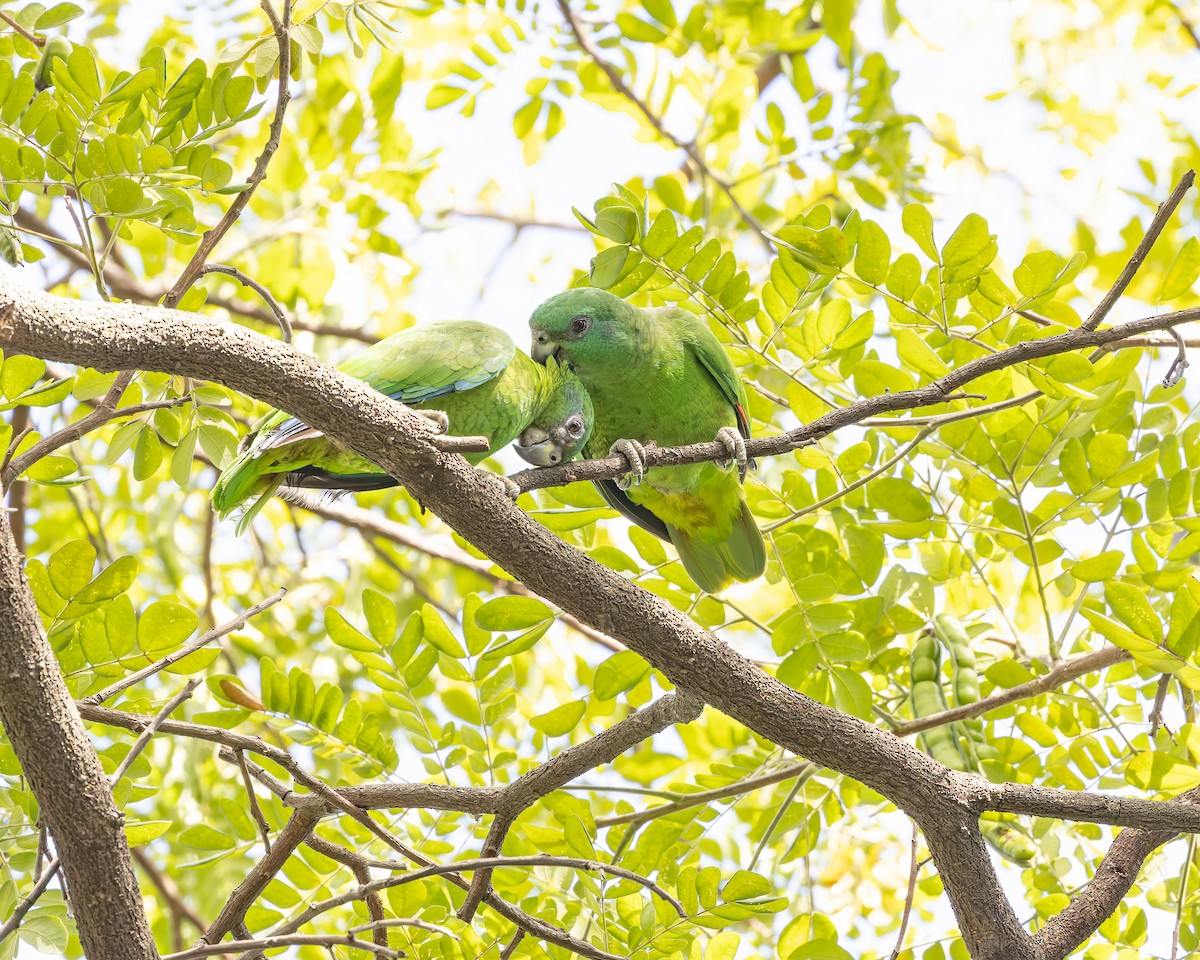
{"points": [[741, 556], [314, 478]]}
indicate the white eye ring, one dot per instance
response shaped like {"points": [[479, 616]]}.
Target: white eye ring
{"points": [[575, 426]]}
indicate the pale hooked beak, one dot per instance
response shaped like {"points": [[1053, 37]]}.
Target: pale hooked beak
{"points": [[535, 446], [543, 347]]}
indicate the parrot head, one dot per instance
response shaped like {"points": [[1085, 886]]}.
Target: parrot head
{"points": [[588, 328], [559, 431]]}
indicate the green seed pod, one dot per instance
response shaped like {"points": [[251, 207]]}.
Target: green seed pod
{"points": [[10, 248], [59, 47], [1008, 840]]}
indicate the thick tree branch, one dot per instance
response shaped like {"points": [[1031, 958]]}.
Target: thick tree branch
{"points": [[72, 791], [938, 392]]}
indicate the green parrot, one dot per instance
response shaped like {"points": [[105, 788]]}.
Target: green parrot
{"points": [[661, 376], [468, 377]]}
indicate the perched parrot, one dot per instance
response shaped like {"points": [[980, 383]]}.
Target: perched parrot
{"points": [[661, 376], [469, 377]]}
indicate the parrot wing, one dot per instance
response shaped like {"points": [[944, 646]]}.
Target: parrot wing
{"points": [[712, 356], [616, 498], [414, 366]]}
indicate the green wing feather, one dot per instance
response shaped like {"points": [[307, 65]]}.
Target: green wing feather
{"points": [[708, 350], [414, 366]]}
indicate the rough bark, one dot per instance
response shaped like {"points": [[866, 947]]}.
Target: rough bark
{"points": [[50, 742]]}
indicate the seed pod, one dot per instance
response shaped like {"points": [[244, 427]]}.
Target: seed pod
{"points": [[1009, 840], [59, 47]]}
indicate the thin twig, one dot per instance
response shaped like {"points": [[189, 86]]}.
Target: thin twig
{"points": [[201, 641], [1160, 698], [1179, 364], [914, 870], [27, 34], [255, 809], [273, 942], [72, 432], [22, 908], [1165, 210], [144, 737], [191, 273], [689, 147], [512, 945], [281, 317]]}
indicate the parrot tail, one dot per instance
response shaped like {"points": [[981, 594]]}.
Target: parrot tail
{"points": [[741, 556]]}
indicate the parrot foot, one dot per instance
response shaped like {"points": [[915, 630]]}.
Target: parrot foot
{"points": [[735, 445], [441, 422], [509, 487], [635, 453]]}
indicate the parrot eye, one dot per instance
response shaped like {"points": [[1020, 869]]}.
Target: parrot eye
{"points": [[580, 326], [575, 427]]}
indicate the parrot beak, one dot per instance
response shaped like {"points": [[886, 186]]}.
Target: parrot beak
{"points": [[543, 347], [535, 446]]}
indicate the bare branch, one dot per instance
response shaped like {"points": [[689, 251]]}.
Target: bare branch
{"points": [[707, 796], [289, 940], [1062, 673], [22, 908], [932, 394], [298, 828], [65, 774], [27, 34], [211, 238], [285, 325], [614, 77], [186, 650], [151, 728], [524, 792], [255, 810], [166, 886], [105, 411], [914, 870], [1165, 210]]}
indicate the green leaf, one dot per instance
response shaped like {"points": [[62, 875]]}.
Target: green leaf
{"points": [[618, 673], [512, 613], [561, 720], [112, 581], [19, 373], [71, 567], [873, 253], [140, 832], [1132, 608], [57, 15], [147, 454], [344, 634], [969, 239], [637, 29], [1097, 569], [201, 836], [1182, 272], [164, 625], [900, 498], [381, 616], [745, 885], [439, 635], [918, 224]]}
